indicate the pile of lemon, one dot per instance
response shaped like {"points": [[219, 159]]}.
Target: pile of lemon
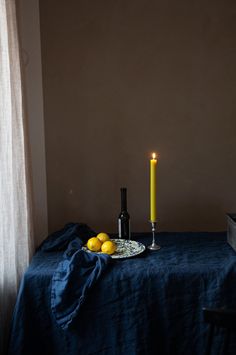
{"points": [[101, 243]]}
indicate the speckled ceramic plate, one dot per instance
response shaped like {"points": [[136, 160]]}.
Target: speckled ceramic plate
{"points": [[125, 248]]}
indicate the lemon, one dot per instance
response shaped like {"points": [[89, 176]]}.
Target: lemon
{"points": [[108, 247], [103, 237], [94, 244]]}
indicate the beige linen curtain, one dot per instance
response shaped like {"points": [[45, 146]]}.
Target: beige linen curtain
{"points": [[15, 208]]}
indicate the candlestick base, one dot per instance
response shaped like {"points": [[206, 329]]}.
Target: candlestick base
{"points": [[154, 246]]}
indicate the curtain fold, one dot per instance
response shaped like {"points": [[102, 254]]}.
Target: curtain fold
{"points": [[16, 237]]}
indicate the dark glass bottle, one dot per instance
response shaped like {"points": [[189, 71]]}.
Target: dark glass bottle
{"points": [[124, 218]]}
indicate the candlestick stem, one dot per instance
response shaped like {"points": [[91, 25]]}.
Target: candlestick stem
{"points": [[154, 246]]}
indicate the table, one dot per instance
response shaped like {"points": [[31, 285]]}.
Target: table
{"points": [[149, 304]]}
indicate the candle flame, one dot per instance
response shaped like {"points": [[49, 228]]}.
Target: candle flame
{"points": [[153, 155]]}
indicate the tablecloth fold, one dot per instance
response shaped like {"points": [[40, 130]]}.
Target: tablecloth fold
{"points": [[60, 240], [73, 279]]}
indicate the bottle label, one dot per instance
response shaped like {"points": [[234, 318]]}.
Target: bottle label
{"points": [[124, 229], [119, 228]]}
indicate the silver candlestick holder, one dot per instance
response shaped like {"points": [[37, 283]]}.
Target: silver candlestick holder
{"points": [[154, 246]]}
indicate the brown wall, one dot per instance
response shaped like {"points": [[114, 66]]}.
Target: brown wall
{"points": [[125, 78]]}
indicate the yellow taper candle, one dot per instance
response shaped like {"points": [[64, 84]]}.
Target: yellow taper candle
{"points": [[153, 209]]}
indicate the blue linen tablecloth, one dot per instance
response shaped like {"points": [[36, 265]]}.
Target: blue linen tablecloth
{"points": [[149, 304]]}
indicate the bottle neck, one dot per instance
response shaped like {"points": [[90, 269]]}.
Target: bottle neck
{"points": [[123, 192]]}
